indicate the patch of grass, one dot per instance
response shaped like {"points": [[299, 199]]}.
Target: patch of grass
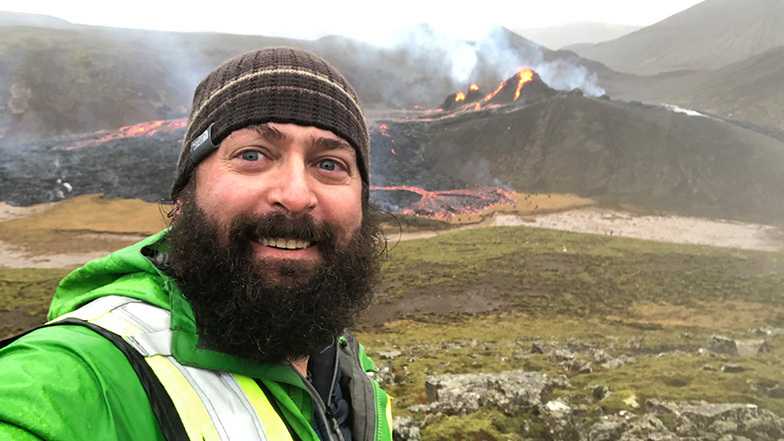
{"points": [[572, 273], [485, 425], [399, 223], [24, 297], [83, 224], [688, 376]]}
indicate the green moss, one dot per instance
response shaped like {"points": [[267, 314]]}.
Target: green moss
{"points": [[486, 425], [25, 296]]}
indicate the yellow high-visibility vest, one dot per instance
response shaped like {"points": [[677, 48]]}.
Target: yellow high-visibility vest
{"points": [[213, 405]]}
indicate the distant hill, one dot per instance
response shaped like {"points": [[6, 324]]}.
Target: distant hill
{"points": [[24, 19], [749, 90], [707, 36], [557, 37]]}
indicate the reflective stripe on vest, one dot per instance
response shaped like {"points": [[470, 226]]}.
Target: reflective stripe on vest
{"points": [[212, 405]]}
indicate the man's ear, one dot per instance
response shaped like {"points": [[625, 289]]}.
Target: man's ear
{"points": [[176, 209]]}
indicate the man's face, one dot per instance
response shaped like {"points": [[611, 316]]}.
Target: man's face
{"points": [[286, 169], [272, 245]]}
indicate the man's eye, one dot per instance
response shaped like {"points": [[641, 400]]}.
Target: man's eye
{"points": [[251, 155], [329, 165]]}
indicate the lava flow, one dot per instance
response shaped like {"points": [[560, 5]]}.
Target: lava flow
{"points": [[442, 205], [148, 128], [508, 91]]}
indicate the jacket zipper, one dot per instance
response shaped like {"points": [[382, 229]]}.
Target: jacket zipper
{"points": [[375, 433], [323, 411]]}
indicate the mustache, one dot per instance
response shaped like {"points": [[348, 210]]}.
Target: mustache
{"points": [[280, 225]]}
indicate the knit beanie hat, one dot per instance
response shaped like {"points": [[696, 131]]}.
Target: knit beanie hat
{"points": [[281, 85]]}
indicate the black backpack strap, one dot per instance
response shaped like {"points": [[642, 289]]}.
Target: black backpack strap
{"points": [[168, 418]]}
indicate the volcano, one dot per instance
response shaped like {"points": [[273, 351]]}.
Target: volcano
{"points": [[646, 156], [524, 87]]}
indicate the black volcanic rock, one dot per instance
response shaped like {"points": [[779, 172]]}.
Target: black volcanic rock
{"points": [[615, 152], [137, 167]]}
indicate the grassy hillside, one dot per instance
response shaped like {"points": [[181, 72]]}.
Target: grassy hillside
{"points": [[477, 300]]}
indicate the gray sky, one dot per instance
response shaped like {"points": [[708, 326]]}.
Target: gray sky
{"points": [[374, 21]]}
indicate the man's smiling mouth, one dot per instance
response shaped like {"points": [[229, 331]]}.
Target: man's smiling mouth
{"points": [[285, 244]]}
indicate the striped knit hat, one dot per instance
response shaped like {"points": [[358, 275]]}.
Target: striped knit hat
{"points": [[281, 85]]}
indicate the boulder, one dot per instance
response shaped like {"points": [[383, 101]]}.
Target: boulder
{"points": [[722, 345], [405, 429], [509, 391]]}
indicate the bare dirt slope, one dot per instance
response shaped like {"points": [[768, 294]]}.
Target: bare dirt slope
{"points": [[748, 90], [707, 36]]}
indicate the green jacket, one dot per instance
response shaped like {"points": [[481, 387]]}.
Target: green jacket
{"points": [[66, 382]]}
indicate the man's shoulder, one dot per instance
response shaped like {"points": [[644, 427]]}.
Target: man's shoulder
{"points": [[45, 348], [56, 375], [68, 357]]}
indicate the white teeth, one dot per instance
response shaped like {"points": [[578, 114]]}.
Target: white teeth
{"points": [[288, 244]]}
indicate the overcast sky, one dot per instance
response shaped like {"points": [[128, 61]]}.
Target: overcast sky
{"points": [[373, 21]]}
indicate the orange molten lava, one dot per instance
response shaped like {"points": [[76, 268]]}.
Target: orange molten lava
{"points": [[148, 128], [144, 129], [473, 87], [492, 94], [523, 76], [447, 203], [459, 97]]}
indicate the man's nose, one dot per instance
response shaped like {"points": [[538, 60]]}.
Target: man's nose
{"points": [[292, 190]]}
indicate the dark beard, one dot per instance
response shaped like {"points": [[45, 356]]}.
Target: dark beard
{"points": [[239, 311]]}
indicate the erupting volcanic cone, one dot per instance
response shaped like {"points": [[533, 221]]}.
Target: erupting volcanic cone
{"points": [[525, 84], [453, 100], [474, 93], [459, 98]]}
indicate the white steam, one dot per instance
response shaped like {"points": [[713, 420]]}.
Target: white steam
{"points": [[494, 49]]}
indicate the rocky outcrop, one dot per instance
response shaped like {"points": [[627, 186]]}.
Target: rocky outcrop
{"points": [[744, 348], [509, 392]]}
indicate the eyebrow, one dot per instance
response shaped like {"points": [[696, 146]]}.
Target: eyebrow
{"points": [[271, 133], [331, 144]]}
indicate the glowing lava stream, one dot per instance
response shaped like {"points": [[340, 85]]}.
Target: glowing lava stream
{"points": [[148, 128], [446, 203], [523, 77]]}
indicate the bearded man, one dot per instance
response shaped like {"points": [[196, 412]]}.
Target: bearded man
{"points": [[231, 323]]}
